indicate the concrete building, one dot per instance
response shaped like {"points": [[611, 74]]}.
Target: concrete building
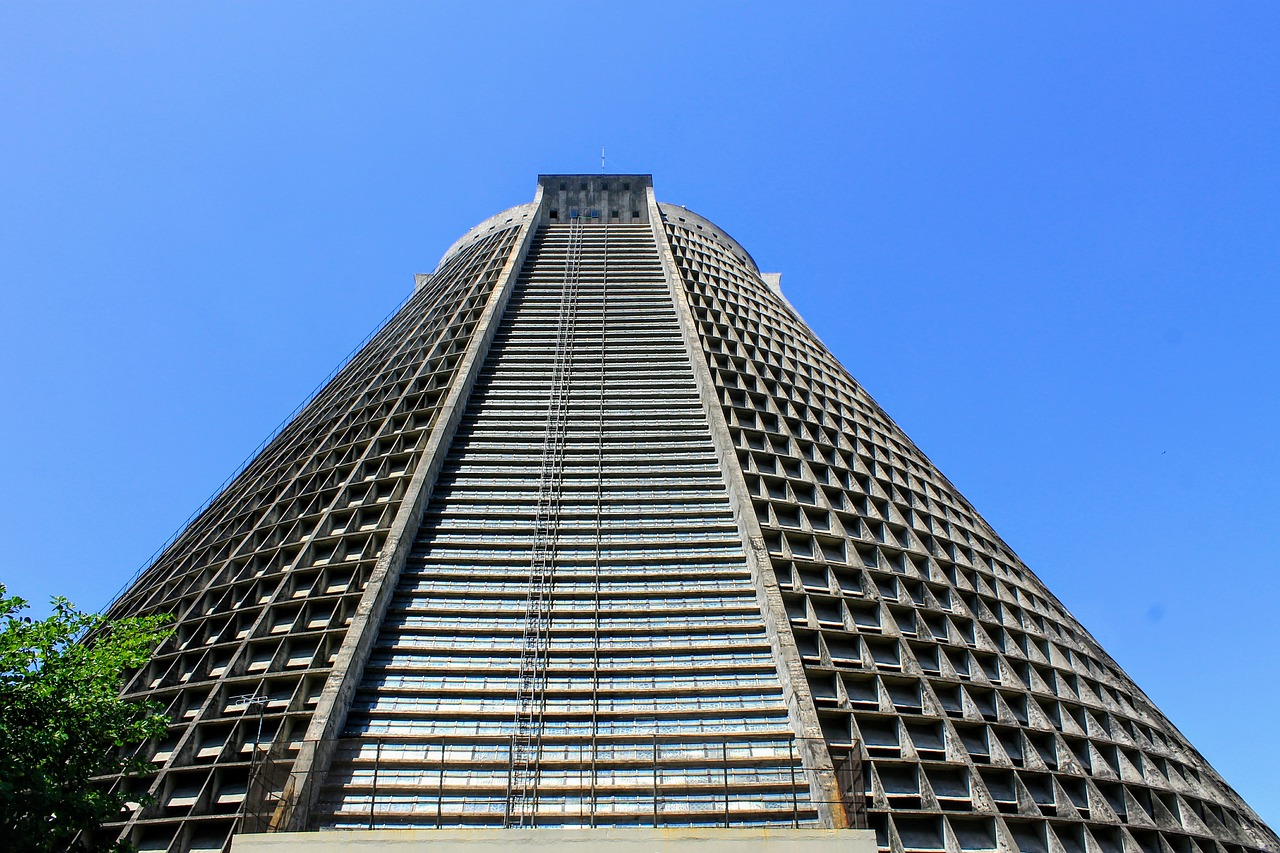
{"points": [[594, 542]]}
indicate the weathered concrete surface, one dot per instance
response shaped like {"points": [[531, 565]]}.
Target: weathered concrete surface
{"points": [[819, 768], [613, 198], [504, 219], [669, 840], [316, 751]]}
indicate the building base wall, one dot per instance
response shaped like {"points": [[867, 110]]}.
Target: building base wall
{"points": [[668, 840]]}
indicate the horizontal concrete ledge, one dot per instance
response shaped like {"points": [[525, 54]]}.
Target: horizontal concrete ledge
{"points": [[668, 840]]}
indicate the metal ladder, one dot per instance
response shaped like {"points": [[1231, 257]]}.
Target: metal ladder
{"points": [[531, 700]]}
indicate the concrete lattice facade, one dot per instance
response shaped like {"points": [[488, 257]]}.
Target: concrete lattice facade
{"points": [[596, 533]]}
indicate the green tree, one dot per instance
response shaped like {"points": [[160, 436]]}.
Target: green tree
{"points": [[62, 722]]}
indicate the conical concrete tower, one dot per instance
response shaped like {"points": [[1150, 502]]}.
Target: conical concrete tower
{"points": [[595, 533]]}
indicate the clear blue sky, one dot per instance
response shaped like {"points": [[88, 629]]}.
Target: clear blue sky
{"points": [[1044, 236]]}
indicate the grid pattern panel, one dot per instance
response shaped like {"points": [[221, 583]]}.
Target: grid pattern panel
{"points": [[986, 715], [660, 702], [264, 582]]}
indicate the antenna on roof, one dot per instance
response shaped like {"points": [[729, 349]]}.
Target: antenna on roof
{"points": [[602, 159]]}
